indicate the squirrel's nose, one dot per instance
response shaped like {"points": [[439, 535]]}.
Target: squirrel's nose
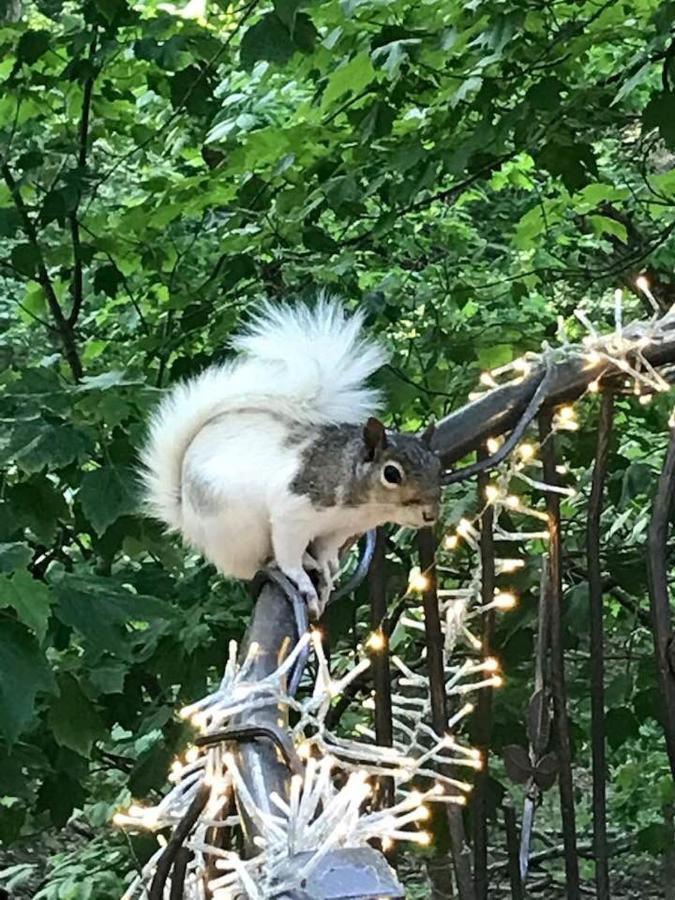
{"points": [[429, 515]]}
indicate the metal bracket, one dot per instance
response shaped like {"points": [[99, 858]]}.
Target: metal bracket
{"points": [[352, 873]]}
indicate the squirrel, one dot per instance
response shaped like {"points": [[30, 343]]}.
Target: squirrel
{"points": [[276, 456]]}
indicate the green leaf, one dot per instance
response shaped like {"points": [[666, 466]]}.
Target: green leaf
{"points": [[54, 208], [595, 194], [31, 600], [106, 494], [61, 793], [574, 163], [38, 444], [269, 39], [660, 113], [9, 222], [191, 90], [621, 726], [24, 672], [107, 280], [352, 77], [73, 718], [24, 259], [34, 302], [12, 817], [287, 10], [38, 505], [495, 355], [655, 839], [605, 225], [632, 82], [32, 45], [101, 610], [14, 556], [108, 677], [545, 94]]}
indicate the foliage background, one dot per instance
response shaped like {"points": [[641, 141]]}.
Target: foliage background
{"points": [[467, 172]]}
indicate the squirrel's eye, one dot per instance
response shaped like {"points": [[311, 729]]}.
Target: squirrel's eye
{"points": [[392, 474]]}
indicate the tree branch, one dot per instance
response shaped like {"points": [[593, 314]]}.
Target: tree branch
{"points": [[78, 271], [61, 323]]}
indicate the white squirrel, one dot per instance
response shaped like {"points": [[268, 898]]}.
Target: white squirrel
{"points": [[276, 457]]}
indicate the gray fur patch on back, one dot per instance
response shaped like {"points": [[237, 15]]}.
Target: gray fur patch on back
{"points": [[327, 467], [199, 494], [298, 434]]}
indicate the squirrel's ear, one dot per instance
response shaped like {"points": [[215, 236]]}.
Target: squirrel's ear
{"points": [[428, 434], [374, 436]]}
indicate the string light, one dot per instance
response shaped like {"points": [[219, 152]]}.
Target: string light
{"points": [[418, 582], [451, 541], [565, 418], [491, 493], [643, 285], [504, 600], [526, 452], [376, 641], [508, 566]]}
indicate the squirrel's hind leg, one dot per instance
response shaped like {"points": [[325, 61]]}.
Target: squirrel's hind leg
{"points": [[289, 542], [326, 551]]}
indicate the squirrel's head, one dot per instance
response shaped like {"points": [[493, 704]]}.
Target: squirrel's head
{"points": [[402, 473]]}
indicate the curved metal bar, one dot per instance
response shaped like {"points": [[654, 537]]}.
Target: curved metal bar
{"points": [[292, 594], [533, 407], [252, 733], [361, 570]]}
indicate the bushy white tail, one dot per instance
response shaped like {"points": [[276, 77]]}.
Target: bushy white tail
{"points": [[308, 365]]}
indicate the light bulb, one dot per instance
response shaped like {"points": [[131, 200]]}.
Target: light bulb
{"points": [[491, 493], [417, 580], [504, 600], [464, 527], [376, 641], [451, 541], [526, 452], [192, 755]]}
